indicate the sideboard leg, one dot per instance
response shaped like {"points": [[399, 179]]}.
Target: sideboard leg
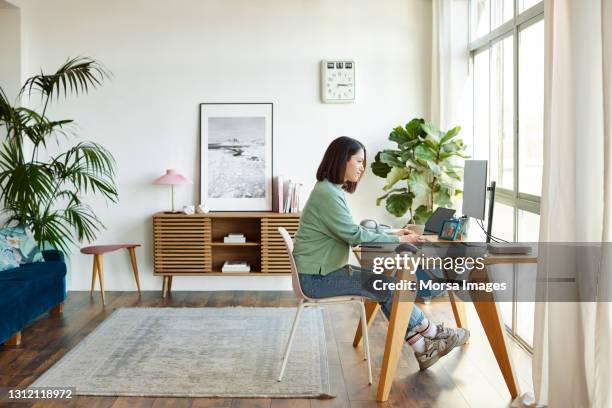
{"points": [[170, 285], [164, 286]]}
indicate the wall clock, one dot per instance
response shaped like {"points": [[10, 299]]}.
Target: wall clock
{"points": [[338, 81]]}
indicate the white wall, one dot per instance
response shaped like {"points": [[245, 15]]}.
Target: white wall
{"points": [[10, 58], [167, 57]]}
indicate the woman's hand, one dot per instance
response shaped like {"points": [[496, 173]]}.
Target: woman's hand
{"points": [[404, 231], [412, 238]]}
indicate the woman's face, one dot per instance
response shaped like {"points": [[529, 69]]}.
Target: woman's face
{"points": [[354, 167]]}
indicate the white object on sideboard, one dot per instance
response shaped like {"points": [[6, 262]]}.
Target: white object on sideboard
{"points": [[338, 81], [201, 209]]}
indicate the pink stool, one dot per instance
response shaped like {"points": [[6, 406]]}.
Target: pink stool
{"points": [[98, 251]]}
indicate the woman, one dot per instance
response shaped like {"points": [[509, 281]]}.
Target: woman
{"points": [[326, 234]]}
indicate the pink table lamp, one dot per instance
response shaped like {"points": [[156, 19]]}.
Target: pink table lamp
{"points": [[172, 177]]}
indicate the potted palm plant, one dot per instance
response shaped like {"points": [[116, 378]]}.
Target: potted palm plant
{"points": [[46, 192]]}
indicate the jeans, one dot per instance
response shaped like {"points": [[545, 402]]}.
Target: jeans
{"points": [[358, 283]]}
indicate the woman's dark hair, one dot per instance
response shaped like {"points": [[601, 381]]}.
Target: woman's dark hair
{"points": [[337, 155]]}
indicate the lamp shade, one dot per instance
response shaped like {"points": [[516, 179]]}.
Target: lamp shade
{"points": [[172, 177]]}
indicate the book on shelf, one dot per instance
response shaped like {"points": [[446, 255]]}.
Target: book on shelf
{"points": [[278, 194], [295, 199], [287, 185], [236, 266], [286, 198], [234, 238]]}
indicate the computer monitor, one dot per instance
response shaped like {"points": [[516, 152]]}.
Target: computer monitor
{"points": [[475, 188]]}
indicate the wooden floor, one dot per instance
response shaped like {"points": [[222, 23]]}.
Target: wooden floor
{"points": [[467, 377]]}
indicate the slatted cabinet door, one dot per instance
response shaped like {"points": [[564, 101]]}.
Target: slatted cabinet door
{"points": [[182, 244], [274, 257]]}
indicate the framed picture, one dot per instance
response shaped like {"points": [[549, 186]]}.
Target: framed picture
{"points": [[236, 156], [449, 230]]}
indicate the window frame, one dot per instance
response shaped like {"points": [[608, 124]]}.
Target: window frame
{"points": [[510, 197]]}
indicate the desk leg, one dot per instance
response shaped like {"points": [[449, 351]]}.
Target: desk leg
{"points": [[458, 310], [372, 308], [403, 301], [396, 333], [458, 307], [490, 317]]}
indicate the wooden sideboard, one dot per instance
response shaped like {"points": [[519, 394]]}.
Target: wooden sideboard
{"points": [[189, 245]]}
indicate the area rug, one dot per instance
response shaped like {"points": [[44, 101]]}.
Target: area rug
{"points": [[198, 352]]}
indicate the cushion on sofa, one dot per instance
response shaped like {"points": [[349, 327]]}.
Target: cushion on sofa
{"points": [[21, 240], [7, 257]]}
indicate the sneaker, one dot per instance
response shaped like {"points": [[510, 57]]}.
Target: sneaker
{"points": [[462, 335], [446, 339], [430, 355]]}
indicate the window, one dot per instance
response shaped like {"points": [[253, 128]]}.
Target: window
{"points": [[481, 104], [480, 17], [507, 49], [502, 113], [525, 4], [501, 12]]}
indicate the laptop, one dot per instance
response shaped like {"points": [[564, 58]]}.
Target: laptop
{"points": [[434, 223]]}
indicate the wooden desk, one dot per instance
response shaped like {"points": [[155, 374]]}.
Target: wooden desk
{"points": [[486, 308]]}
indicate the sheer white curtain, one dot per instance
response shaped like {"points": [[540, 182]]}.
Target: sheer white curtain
{"points": [[572, 359], [449, 62]]}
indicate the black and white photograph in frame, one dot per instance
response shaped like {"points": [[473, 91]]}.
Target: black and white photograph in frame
{"points": [[236, 156]]}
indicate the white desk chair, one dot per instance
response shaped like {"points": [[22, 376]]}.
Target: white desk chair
{"points": [[305, 301]]}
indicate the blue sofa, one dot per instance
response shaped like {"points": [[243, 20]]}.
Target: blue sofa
{"points": [[29, 291]]}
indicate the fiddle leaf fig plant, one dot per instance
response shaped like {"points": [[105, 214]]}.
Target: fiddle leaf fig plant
{"points": [[421, 172], [43, 191]]}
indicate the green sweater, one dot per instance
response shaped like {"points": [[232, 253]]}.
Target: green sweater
{"points": [[327, 232]]}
